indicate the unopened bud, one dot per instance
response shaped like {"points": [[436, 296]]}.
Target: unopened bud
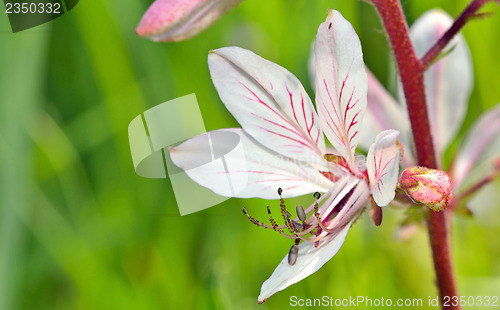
{"points": [[429, 187], [176, 20]]}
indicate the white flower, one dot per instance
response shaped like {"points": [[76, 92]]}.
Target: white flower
{"points": [[283, 142]]}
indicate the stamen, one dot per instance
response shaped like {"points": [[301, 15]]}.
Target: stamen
{"points": [[299, 227], [274, 227], [298, 231], [271, 219], [316, 211], [286, 215], [293, 254], [245, 211], [301, 214], [290, 224]]}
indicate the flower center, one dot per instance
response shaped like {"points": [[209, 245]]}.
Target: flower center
{"points": [[320, 223]]}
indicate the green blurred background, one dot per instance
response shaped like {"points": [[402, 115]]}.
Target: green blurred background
{"points": [[80, 230]]}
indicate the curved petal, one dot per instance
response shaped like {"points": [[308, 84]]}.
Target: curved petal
{"points": [[269, 102], [483, 141], [232, 164], [382, 164], [176, 20], [448, 82], [341, 84], [382, 113], [309, 260]]}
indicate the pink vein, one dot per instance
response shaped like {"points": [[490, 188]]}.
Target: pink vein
{"points": [[281, 116], [287, 137], [336, 131], [303, 113], [274, 123], [263, 103]]}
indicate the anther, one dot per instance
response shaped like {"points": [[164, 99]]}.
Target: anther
{"points": [[318, 217], [271, 220], [292, 254], [289, 223], [301, 213], [317, 195], [274, 225], [254, 221], [280, 191], [297, 226]]}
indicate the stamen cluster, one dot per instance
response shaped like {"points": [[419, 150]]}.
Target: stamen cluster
{"points": [[311, 229]]}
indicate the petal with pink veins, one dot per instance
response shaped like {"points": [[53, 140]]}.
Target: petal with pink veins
{"points": [[269, 103], [448, 82], [482, 142], [382, 164], [309, 260], [231, 163], [176, 20], [341, 84]]}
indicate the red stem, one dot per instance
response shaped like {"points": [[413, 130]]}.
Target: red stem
{"points": [[411, 72], [469, 12]]}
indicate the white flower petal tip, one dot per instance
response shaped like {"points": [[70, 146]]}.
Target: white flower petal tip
{"points": [[341, 84], [177, 20], [382, 164], [309, 260], [448, 82]]}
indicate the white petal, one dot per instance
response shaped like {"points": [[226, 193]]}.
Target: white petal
{"points": [[232, 164], [175, 20], [269, 102], [341, 83], [448, 82], [309, 260], [482, 143], [383, 112], [382, 164]]}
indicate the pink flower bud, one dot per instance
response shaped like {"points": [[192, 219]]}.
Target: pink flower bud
{"points": [[176, 20], [429, 187]]}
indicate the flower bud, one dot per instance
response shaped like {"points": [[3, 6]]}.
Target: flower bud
{"points": [[176, 20], [429, 187]]}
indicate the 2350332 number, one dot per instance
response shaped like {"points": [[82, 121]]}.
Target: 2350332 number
{"points": [[32, 8], [479, 301]]}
